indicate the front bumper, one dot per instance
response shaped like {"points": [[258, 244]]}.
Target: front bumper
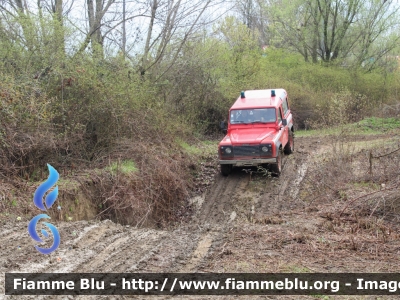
{"points": [[248, 162]]}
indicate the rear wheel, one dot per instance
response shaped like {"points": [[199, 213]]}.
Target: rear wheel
{"points": [[276, 168], [226, 169], [289, 147]]}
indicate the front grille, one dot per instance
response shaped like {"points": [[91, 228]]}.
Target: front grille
{"points": [[253, 151]]}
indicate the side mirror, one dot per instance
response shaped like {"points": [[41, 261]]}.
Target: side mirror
{"points": [[222, 125], [284, 122]]}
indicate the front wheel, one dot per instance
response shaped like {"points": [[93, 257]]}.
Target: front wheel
{"points": [[289, 147], [276, 168], [226, 169]]}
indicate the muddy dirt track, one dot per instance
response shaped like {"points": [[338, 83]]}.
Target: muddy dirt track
{"points": [[244, 223]]}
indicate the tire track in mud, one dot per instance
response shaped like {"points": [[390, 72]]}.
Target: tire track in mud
{"points": [[108, 247], [230, 201], [219, 202], [199, 253], [276, 199], [216, 214]]}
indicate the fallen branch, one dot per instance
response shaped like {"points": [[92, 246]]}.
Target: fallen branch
{"points": [[362, 196]]}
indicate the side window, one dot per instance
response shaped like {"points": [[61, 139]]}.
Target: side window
{"points": [[279, 115], [285, 106]]}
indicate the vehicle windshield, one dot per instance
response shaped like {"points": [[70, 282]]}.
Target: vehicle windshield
{"points": [[255, 115]]}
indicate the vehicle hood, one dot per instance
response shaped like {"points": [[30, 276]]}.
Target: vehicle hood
{"points": [[251, 135]]}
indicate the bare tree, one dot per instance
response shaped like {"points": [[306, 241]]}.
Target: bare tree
{"points": [[40, 24], [124, 28], [335, 29], [251, 12], [171, 24], [96, 10], [19, 12]]}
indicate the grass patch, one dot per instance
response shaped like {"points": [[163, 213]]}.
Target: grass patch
{"points": [[191, 150], [64, 183], [366, 185], [210, 143], [202, 149], [126, 167], [367, 126], [369, 145], [208, 148], [378, 124]]}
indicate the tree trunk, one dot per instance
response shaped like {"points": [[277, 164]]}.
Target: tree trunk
{"points": [[148, 39], [59, 33]]}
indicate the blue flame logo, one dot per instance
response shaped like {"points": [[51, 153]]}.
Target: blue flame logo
{"points": [[49, 201]]}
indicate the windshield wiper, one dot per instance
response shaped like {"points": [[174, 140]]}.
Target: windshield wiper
{"points": [[240, 122], [257, 122]]}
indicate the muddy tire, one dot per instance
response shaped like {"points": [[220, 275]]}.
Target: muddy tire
{"points": [[276, 169], [289, 147], [226, 169]]}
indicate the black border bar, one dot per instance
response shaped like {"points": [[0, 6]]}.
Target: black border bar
{"points": [[228, 284]]}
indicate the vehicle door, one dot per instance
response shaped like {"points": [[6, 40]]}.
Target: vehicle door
{"points": [[286, 112], [284, 129]]}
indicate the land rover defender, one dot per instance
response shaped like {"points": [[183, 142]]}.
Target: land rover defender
{"points": [[259, 131]]}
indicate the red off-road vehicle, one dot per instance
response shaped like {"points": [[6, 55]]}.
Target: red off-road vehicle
{"points": [[260, 128]]}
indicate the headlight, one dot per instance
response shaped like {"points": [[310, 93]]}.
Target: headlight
{"points": [[226, 151], [266, 149]]}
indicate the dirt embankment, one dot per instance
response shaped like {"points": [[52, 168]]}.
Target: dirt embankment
{"points": [[246, 222]]}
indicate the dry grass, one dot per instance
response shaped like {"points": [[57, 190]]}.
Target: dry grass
{"points": [[155, 195], [360, 208], [344, 174]]}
